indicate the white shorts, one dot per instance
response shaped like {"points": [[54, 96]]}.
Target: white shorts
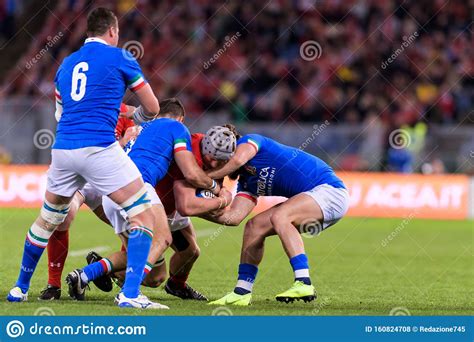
{"points": [[178, 222], [106, 169], [92, 198], [118, 217], [333, 202]]}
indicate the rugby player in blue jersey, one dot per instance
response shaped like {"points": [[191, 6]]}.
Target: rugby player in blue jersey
{"points": [[161, 141], [317, 199], [90, 84]]}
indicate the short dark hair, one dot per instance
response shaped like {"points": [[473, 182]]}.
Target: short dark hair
{"points": [[99, 21], [172, 107], [234, 131]]}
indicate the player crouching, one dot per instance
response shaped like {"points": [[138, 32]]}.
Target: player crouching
{"points": [[317, 199]]}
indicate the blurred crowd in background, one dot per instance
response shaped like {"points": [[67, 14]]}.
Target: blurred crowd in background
{"points": [[389, 64]]}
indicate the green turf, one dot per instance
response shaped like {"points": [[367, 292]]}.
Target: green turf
{"points": [[427, 269]]}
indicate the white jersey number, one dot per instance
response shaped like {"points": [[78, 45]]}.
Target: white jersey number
{"points": [[78, 74]]}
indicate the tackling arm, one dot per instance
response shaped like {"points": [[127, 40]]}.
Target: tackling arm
{"points": [[240, 208], [188, 204], [193, 173], [149, 108], [243, 154]]}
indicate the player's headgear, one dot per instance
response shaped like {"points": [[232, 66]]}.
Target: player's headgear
{"points": [[219, 142]]}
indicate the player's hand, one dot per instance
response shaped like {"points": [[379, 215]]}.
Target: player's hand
{"points": [[130, 133], [216, 213], [226, 195]]}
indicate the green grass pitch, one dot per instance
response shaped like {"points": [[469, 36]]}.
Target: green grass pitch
{"points": [[426, 269]]}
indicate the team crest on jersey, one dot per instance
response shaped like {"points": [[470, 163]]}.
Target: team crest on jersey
{"points": [[250, 169]]}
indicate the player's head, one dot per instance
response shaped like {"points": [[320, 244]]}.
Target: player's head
{"points": [[102, 23], [172, 108], [218, 146]]}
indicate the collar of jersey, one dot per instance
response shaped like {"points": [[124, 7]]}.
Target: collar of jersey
{"points": [[95, 40]]}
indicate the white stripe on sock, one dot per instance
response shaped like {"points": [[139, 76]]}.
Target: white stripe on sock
{"points": [[40, 232], [303, 273], [244, 284]]}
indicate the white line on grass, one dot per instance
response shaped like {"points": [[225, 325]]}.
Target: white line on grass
{"points": [[83, 252], [205, 232]]}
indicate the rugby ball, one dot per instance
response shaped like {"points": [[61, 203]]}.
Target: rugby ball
{"points": [[204, 193]]}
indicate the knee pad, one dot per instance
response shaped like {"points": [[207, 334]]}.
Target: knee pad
{"points": [[137, 203], [54, 214]]}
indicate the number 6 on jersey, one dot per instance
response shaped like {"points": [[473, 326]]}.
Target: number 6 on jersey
{"points": [[78, 74]]}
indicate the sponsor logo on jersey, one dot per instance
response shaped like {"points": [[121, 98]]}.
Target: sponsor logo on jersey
{"points": [[265, 181], [250, 169]]}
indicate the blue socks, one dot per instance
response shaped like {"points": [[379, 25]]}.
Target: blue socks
{"points": [[139, 243], [301, 268], [36, 241], [97, 269], [247, 275]]}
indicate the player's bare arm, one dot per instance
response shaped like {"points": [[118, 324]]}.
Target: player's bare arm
{"points": [[240, 208], [188, 204], [243, 154], [149, 108], [193, 173], [130, 134]]}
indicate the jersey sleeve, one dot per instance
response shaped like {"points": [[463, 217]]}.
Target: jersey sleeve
{"points": [[241, 191], [253, 139], [131, 71], [181, 139], [59, 101]]}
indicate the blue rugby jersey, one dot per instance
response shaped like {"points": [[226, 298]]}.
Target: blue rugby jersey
{"points": [[90, 84], [154, 149], [280, 170]]}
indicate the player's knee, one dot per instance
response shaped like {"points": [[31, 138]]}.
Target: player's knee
{"points": [[52, 215], [253, 231], [163, 240], [167, 239], [279, 217], [192, 253]]}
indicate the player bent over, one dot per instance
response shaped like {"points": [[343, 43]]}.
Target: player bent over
{"points": [[90, 84], [160, 141], [317, 199], [179, 198]]}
